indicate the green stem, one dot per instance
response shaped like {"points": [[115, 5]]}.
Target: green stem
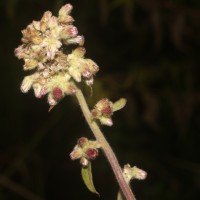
{"points": [[125, 188]]}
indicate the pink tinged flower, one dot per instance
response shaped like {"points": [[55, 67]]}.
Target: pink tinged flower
{"points": [[76, 40], [65, 10], [44, 90], [68, 32], [91, 153], [106, 121], [73, 31], [70, 89], [26, 84], [51, 100], [103, 111], [93, 67], [86, 73], [76, 153], [63, 14], [38, 90], [139, 173], [20, 52], [83, 141], [107, 110], [79, 52], [57, 93], [133, 173], [103, 105]]}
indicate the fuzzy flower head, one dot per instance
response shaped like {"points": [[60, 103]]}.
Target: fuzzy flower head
{"points": [[54, 71], [131, 173], [104, 109], [85, 150]]}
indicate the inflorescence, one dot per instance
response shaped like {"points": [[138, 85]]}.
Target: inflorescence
{"points": [[53, 71]]}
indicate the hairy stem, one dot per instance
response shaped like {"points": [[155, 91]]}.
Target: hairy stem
{"points": [[125, 188]]}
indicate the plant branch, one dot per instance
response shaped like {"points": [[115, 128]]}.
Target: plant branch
{"points": [[125, 188]]}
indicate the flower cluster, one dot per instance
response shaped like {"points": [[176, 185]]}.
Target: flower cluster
{"points": [[42, 52], [85, 150], [104, 109]]}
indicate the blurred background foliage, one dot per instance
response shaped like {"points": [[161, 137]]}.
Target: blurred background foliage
{"points": [[148, 52]]}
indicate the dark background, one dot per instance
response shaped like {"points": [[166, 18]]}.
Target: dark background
{"points": [[148, 52]]}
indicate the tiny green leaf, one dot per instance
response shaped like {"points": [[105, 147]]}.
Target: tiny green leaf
{"points": [[119, 104], [86, 173]]}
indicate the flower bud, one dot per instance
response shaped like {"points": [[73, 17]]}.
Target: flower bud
{"points": [[51, 100], [19, 52], [26, 84], [91, 153], [83, 141], [133, 173], [105, 107], [85, 150], [65, 10], [57, 93], [102, 104], [68, 32], [46, 16], [84, 161], [76, 40], [70, 89], [66, 19], [79, 52], [139, 173], [107, 111], [76, 153], [86, 73], [93, 67], [30, 64], [37, 90], [106, 121], [44, 21]]}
